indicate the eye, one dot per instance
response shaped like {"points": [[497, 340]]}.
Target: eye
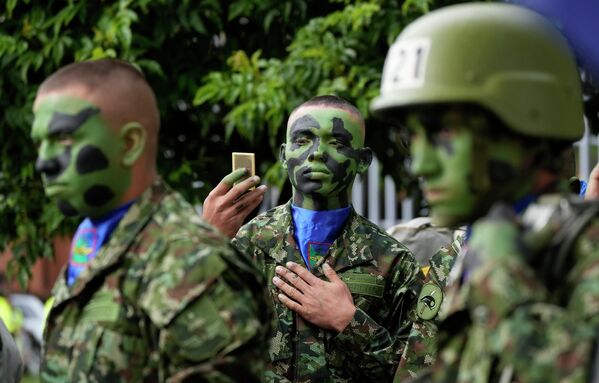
{"points": [[64, 139], [301, 141]]}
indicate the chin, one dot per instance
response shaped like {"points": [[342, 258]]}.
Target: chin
{"points": [[449, 220]]}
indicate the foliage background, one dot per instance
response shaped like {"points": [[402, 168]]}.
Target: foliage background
{"points": [[226, 73]]}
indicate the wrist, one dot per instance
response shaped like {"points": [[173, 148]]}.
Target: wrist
{"points": [[345, 319]]}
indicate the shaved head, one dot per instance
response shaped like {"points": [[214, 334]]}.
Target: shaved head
{"points": [[329, 101], [118, 88]]}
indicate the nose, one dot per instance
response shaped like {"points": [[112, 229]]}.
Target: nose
{"points": [[424, 157], [318, 154], [49, 167]]}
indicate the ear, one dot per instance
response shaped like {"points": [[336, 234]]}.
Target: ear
{"points": [[134, 136], [365, 160], [282, 157]]}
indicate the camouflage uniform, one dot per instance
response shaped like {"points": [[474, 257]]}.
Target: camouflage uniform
{"points": [[383, 278], [421, 347], [423, 238], [543, 326], [166, 299]]}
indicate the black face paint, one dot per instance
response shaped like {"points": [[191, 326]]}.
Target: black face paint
{"points": [[52, 168], [67, 124], [301, 127], [90, 159], [98, 195], [340, 174], [67, 209]]}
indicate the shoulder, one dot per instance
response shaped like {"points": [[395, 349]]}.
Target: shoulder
{"points": [[378, 239], [264, 227], [184, 258]]}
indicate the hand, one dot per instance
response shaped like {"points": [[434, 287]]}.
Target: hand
{"points": [[593, 185], [227, 206], [328, 305]]}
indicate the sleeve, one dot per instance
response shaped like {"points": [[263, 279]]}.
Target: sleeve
{"points": [[422, 344], [375, 344], [210, 313], [549, 332]]}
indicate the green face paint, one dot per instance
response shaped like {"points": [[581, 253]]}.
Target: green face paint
{"points": [[323, 153], [79, 156], [463, 170]]}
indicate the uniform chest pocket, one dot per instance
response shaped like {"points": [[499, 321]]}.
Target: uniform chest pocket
{"points": [[367, 289], [109, 347], [280, 340]]}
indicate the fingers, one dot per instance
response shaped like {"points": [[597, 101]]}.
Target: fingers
{"points": [[303, 273], [242, 187], [293, 278], [290, 291], [227, 182], [290, 303], [330, 273], [235, 176], [250, 200]]}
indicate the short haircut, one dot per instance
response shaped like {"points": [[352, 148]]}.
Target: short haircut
{"points": [[331, 100], [335, 102], [91, 74], [118, 87]]}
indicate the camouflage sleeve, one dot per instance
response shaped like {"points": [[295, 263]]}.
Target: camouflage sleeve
{"points": [[375, 345], [548, 332], [209, 314]]}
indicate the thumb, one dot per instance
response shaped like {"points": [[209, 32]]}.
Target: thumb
{"points": [[330, 273]]}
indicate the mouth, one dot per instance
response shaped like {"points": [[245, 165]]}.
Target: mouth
{"points": [[316, 174], [434, 194], [53, 188]]}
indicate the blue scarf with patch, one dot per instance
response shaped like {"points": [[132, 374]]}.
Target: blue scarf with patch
{"points": [[316, 230], [89, 238]]}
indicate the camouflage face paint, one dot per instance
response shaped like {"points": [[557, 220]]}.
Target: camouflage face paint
{"points": [[78, 156], [463, 171], [323, 153]]}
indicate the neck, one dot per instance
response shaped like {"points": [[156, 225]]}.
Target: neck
{"points": [[315, 202]]}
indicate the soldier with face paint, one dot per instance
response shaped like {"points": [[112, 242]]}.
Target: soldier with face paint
{"points": [[491, 96], [151, 292], [342, 288]]}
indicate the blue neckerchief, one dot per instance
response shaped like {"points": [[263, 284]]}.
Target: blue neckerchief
{"points": [[89, 238], [583, 188], [316, 230]]}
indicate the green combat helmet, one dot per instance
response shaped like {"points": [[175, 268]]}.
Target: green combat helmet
{"points": [[518, 66]]}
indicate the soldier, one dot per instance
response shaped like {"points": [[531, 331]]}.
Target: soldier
{"points": [[341, 286], [491, 96], [151, 292]]}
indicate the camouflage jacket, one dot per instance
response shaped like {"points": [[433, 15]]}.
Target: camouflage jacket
{"points": [[515, 312], [421, 347], [384, 280], [167, 299]]}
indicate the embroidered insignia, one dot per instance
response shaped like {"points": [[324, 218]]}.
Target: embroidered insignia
{"points": [[429, 301], [317, 251]]}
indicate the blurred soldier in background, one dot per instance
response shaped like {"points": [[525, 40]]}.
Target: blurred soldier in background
{"points": [[491, 96], [151, 292]]}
